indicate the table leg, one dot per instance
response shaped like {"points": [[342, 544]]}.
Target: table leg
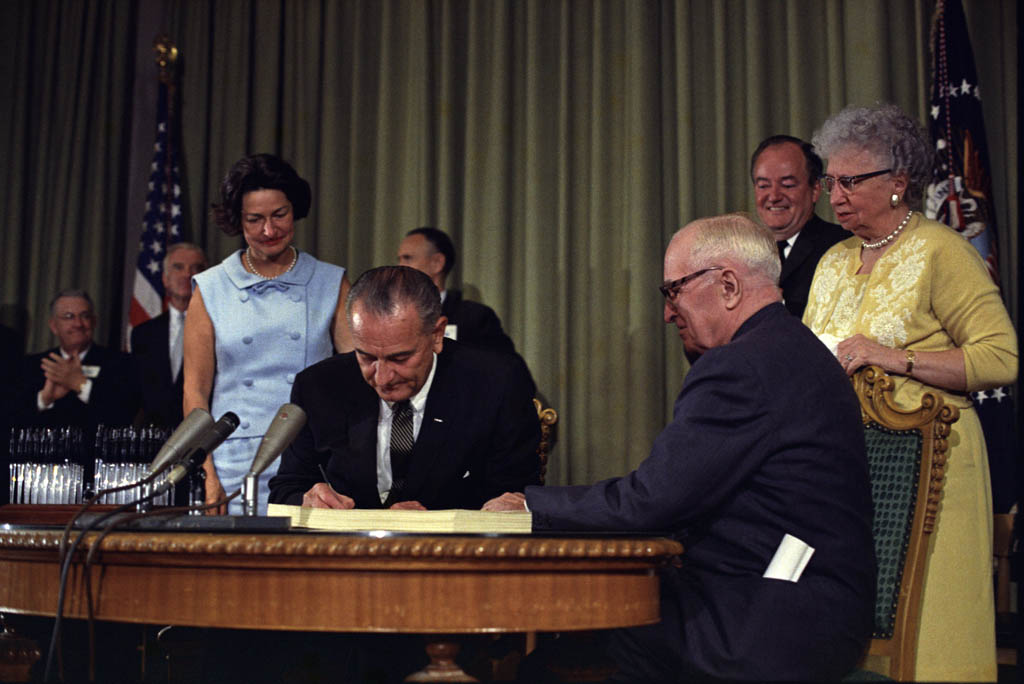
{"points": [[442, 667]]}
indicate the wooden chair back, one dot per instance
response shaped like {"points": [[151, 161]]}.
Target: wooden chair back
{"points": [[906, 452], [547, 417]]}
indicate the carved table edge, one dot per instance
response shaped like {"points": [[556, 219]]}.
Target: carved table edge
{"points": [[360, 546]]}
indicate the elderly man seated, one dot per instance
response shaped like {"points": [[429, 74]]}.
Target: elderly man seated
{"points": [[761, 475]]}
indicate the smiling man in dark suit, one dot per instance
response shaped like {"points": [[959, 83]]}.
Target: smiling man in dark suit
{"points": [[78, 383], [764, 456], [409, 419], [785, 171], [157, 344]]}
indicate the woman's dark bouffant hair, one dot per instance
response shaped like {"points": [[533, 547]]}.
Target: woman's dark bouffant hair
{"points": [[259, 172]]}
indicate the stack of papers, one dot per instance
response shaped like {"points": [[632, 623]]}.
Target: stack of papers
{"points": [[364, 519]]}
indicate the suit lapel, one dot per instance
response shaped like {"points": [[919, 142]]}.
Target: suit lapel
{"points": [[362, 437], [162, 347], [798, 254], [435, 430], [804, 246]]}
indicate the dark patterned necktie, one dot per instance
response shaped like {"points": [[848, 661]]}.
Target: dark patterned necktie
{"points": [[782, 250], [401, 440]]}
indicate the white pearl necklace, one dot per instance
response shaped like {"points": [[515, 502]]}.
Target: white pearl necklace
{"points": [[248, 261], [891, 236]]}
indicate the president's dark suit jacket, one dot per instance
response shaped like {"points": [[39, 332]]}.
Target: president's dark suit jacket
{"points": [[813, 241], [478, 325], [478, 438], [766, 440], [161, 396], [113, 401]]}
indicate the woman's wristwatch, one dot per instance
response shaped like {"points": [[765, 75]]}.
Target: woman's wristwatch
{"points": [[911, 356]]}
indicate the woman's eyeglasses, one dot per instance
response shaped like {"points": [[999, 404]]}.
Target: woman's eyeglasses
{"points": [[848, 183]]}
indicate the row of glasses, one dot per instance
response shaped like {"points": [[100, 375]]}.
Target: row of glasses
{"points": [[46, 465], [47, 483], [50, 465], [122, 456]]}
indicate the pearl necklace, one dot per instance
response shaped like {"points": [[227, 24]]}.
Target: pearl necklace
{"points": [[248, 261], [891, 236]]}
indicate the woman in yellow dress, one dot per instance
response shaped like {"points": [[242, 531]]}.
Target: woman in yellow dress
{"points": [[914, 297]]}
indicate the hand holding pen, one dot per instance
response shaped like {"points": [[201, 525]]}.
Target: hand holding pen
{"points": [[323, 495]]}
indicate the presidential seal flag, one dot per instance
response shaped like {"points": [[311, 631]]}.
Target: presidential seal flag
{"points": [[162, 220], [960, 195]]}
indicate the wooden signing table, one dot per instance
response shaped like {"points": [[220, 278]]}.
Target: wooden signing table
{"points": [[430, 584]]}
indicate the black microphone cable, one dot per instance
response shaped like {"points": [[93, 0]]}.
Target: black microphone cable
{"points": [[214, 436], [94, 548], [66, 553]]}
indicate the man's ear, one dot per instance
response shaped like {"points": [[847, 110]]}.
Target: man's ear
{"points": [[437, 336], [53, 325], [437, 263], [730, 288]]}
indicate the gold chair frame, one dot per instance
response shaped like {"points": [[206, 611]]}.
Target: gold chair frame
{"points": [[932, 419], [547, 417]]}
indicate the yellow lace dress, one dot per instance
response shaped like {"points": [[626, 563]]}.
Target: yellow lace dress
{"points": [[930, 291]]}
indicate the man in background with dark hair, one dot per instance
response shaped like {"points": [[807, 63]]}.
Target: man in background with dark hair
{"points": [[431, 251], [785, 171]]}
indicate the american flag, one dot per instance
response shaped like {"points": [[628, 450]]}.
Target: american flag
{"points": [[162, 222], [960, 195]]}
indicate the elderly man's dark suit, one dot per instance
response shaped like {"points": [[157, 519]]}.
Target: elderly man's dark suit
{"points": [[162, 396], [812, 242], [478, 437], [477, 323], [113, 400], [766, 440]]}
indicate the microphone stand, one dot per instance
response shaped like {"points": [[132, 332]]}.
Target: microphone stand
{"points": [[250, 494]]}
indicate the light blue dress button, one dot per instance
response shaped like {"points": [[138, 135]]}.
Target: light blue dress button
{"points": [[245, 425], [247, 382], [247, 340], [295, 335], [290, 378], [243, 296], [296, 297]]}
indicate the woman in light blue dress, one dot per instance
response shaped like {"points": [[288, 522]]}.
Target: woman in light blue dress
{"points": [[258, 318]]}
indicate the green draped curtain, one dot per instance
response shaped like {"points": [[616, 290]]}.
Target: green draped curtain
{"points": [[65, 74], [560, 143]]}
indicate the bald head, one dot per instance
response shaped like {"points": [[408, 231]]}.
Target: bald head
{"points": [[718, 272]]}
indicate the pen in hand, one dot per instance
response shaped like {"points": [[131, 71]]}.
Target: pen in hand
{"points": [[323, 473]]}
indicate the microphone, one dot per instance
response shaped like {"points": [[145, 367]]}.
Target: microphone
{"points": [[210, 440], [283, 429], [183, 439]]}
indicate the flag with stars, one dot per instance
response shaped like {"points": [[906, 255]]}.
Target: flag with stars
{"points": [[162, 221], [960, 195]]}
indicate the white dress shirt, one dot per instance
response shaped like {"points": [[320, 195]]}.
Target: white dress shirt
{"points": [[418, 403]]}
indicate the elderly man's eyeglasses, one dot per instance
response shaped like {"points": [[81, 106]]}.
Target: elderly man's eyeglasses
{"points": [[671, 288], [848, 183]]}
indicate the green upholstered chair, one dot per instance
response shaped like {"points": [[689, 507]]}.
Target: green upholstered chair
{"points": [[906, 452]]}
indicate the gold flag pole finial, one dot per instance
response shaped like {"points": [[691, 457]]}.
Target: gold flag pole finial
{"points": [[165, 53]]}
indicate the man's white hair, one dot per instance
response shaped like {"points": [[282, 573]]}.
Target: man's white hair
{"points": [[737, 239]]}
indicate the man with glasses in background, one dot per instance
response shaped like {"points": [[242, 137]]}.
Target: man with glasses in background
{"points": [[785, 171], [78, 383], [761, 475]]}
